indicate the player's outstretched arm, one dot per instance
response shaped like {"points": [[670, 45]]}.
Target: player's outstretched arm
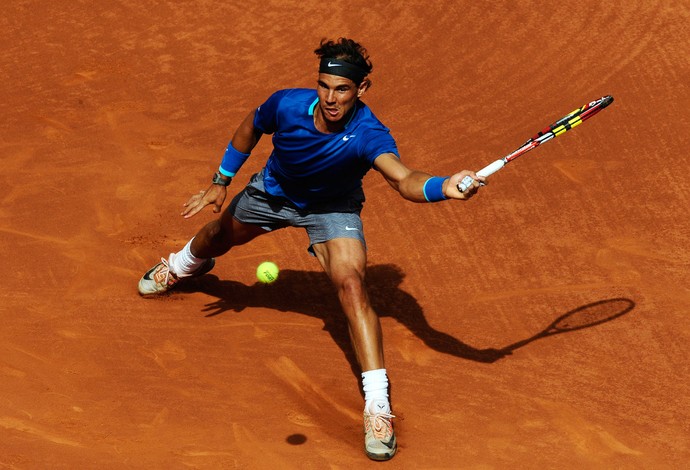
{"points": [[418, 186], [243, 141]]}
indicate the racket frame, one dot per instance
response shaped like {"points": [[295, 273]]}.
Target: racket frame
{"points": [[567, 122]]}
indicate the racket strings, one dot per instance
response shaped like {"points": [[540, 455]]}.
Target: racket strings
{"points": [[593, 314]]}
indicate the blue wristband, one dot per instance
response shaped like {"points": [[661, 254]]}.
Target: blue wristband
{"points": [[232, 161], [433, 189]]}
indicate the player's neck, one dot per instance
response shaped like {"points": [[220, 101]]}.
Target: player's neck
{"points": [[331, 127]]}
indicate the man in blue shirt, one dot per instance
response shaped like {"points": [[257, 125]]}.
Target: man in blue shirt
{"points": [[324, 142]]}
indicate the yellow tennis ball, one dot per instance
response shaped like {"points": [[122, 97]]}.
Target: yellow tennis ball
{"points": [[267, 272]]}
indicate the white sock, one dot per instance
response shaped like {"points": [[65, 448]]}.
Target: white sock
{"points": [[183, 263], [375, 386]]}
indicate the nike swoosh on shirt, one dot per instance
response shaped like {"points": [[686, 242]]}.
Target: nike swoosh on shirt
{"points": [[351, 228]]}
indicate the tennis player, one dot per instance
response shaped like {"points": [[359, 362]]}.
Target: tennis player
{"points": [[324, 141]]}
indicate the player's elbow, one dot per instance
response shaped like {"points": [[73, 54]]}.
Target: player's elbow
{"points": [[409, 191]]}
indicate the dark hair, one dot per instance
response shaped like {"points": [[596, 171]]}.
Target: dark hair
{"points": [[347, 50]]}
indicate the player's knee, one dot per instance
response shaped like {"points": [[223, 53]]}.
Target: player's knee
{"points": [[351, 287]]}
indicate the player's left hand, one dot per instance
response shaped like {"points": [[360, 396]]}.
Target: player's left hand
{"points": [[215, 195], [451, 190]]}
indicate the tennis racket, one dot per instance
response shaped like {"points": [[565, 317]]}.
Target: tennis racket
{"points": [[564, 124]]}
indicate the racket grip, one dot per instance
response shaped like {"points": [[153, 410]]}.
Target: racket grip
{"points": [[491, 168], [486, 171]]}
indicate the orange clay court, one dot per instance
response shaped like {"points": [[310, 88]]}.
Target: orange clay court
{"points": [[114, 113]]}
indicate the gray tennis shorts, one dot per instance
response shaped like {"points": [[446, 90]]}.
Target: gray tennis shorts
{"points": [[338, 219]]}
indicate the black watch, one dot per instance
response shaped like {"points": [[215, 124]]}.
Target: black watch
{"points": [[219, 179]]}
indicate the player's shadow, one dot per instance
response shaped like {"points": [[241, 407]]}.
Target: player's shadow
{"points": [[311, 293]]}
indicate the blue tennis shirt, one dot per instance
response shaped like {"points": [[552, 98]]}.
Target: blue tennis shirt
{"points": [[309, 167]]}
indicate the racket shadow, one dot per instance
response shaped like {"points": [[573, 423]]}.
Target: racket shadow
{"points": [[586, 316]]}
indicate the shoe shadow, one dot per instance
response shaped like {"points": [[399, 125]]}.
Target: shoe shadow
{"points": [[311, 293]]}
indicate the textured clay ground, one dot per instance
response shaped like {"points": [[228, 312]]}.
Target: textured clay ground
{"points": [[113, 114]]}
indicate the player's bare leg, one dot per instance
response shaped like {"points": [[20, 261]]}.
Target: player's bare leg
{"points": [[198, 255], [218, 236], [344, 260]]}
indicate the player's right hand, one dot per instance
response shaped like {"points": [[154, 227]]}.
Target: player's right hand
{"points": [[453, 192], [215, 195]]}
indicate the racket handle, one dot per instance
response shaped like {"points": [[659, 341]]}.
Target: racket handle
{"points": [[486, 171], [491, 168]]}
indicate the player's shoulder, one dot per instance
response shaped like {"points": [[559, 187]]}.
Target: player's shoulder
{"points": [[287, 102], [295, 94], [367, 120]]}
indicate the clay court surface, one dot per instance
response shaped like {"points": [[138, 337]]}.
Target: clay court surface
{"points": [[114, 113]]}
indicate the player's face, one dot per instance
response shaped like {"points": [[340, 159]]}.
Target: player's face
{"points": [[337, 97]]}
